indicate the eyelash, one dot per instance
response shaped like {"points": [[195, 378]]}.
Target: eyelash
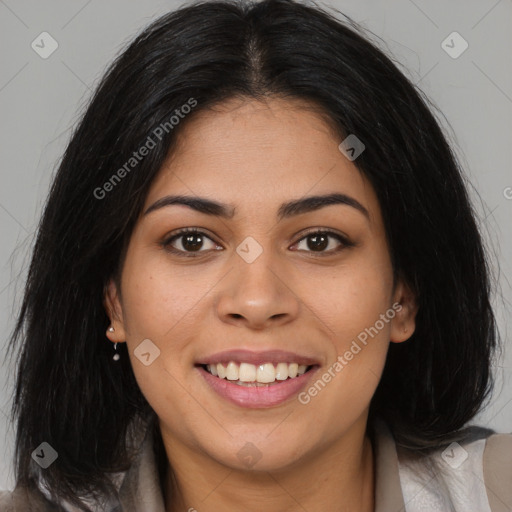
{"points": [[166, 244]]}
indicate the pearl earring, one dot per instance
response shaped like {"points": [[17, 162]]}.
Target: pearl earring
{"points": [[116, 356]]}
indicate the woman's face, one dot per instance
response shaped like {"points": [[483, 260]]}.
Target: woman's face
{"points": [[259, 280]]}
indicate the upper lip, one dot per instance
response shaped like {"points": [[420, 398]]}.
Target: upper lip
{"points": [[257, 358]]}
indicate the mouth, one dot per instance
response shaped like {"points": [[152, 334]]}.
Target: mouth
{"points": [[257, 386], [250, 375]]}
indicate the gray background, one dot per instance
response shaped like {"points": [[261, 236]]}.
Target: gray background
{"points": [[40, 100]]}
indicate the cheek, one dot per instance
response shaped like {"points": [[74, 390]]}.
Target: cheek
{"points": [[360, 329], [161, 305], [160, 300], [350, 299], [354, 303]]}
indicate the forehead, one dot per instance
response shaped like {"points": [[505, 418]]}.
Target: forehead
{"points": [[256, 154]]}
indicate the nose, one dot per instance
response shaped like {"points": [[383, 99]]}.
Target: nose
{"points": [[258, 295]]}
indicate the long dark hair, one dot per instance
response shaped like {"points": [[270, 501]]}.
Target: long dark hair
{"points": [[69, 394]]}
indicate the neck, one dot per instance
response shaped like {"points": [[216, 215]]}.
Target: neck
{"points": [[339, 477]]}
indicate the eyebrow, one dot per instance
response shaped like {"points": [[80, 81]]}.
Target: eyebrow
{"points": [[286, 210]]}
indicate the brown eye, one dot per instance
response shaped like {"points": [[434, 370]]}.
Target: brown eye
{"points": [[188, 241], [319, 241]]}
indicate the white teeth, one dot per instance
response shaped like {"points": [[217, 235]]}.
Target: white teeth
{"points": [[232, 371], [281, 371], [266, 373], [221, 371], [247, 372], [263, 374]]}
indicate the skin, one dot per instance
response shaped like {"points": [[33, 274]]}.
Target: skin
{"points": [[255, 156]]}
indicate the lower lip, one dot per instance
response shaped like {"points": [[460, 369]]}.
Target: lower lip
{"points": [[257, 396]]}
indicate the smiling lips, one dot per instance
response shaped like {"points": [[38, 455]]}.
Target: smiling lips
{"points": [[257, 379], [264, 373]]}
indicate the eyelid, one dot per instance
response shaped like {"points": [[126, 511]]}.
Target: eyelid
{"points": [[327, 231]]}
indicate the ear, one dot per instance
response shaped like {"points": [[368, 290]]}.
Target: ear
{"points": [[114, 310], [404, 322]]}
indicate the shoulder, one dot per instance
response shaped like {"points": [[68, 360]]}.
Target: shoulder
{"points": [[497, 470], [474, 471], [23, 499]]}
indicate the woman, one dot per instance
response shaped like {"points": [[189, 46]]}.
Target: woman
{"points": [[258, 284]]}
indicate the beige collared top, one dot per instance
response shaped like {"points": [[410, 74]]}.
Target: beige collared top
{"points": [[474, 475]]}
